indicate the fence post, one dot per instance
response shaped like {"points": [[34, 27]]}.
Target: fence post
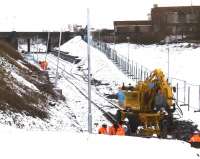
{"points": [[136, 73], [177, 93], [140, 73], [188, 98], [184, 91], [199, 97], [132, 68]]}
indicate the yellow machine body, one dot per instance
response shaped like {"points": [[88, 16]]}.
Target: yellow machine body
{"points": [[140, 100]]}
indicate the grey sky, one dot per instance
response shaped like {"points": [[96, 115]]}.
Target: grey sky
{"points": [[25, 15]]}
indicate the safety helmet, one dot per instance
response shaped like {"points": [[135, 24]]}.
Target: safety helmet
{"points": [[104, 125], [196, 132]]}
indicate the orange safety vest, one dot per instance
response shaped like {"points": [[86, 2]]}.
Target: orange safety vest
{"points": [[195, 138], [120, 131], [102, 130], [111, 130]]}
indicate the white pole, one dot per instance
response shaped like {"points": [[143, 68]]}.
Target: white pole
{"points": [[199, 97], [89, 74], [168, 62], [58, 57], [47, 45], [128, 38]]}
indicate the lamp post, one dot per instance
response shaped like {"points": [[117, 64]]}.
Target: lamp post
{"points": [[58, 57], [89, 74], [168, 57], [128, 39]]}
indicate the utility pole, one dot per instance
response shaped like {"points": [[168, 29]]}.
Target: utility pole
{"points": [[47, 46], [58, 57], [168, 57], [168, 62], [89, 74], [128, 39]]}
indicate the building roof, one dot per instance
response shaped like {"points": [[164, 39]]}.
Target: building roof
{"points": [[176, 8], [138, 22]]}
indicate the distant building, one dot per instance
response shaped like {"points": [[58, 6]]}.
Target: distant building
{"points": [[133, 31], [105, 35], [182, 20], [172, 23]]}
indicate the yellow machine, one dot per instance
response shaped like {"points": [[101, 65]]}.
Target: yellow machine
{"points": [[140, 102]]}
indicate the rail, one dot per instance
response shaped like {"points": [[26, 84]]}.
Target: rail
{"points": [[73, 80]]}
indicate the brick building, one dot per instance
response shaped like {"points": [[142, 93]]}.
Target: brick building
{"points": [[182, 20], [178, 23], [133, 31]]}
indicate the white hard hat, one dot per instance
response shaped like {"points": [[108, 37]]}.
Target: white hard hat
{"points": [[126, 119], [196, 132]]}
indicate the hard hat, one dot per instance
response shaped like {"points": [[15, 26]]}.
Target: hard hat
{"points": [[126, 119], [104, 125], [196, 132]]}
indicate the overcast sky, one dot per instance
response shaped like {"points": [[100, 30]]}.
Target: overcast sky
{"points": [[38, 15]]}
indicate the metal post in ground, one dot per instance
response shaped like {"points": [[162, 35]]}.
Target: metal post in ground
{"points": [[139, 74], [128, 38], [199, 98], [47, 45], [177, 93], [136, 73], [89, 74], [132, 69], [189, 98], [58, 58], [184, 89]]}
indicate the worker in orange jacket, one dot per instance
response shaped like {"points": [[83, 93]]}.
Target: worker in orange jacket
{"points": [[120, 130], [195, 139], [103, 129], [116, 129], [113, 129]]}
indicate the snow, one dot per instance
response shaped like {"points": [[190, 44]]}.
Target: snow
{"points": [[72, 145], [24, 82], [64, 141]]}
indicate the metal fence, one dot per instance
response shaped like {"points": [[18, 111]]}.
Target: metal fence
{"points": [[187, 94]]}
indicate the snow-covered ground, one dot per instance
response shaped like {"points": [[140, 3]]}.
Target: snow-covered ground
{"points": [[62, 145], [183, 60], [69, 144]]}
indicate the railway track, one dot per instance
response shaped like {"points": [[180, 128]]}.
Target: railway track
{"points": [[76, 83]]}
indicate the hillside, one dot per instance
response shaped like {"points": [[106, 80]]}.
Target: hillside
{"points": [[25, 89]]}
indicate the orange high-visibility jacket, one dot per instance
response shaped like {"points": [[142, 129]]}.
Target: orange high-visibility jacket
{"points": [[111, 130], [195, 138], [120, 131], [102, 130]]}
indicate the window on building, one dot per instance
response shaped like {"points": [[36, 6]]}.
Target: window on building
{"points": [[181, 17]]}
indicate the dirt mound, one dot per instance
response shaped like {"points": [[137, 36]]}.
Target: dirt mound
{"points": [[6, 48], [15, 95]]}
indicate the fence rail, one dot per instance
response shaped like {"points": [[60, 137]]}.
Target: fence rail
{"points": [[138, 72]]}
